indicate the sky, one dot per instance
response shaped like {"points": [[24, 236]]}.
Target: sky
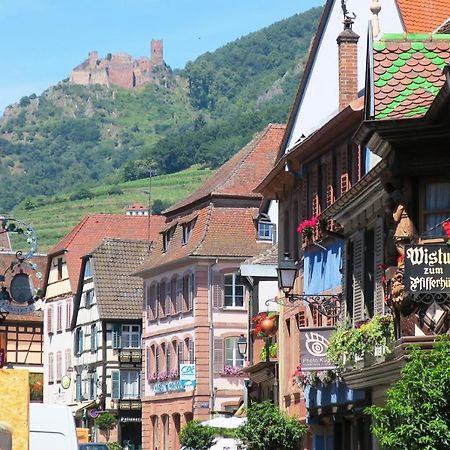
{"points": [[41, 41]]}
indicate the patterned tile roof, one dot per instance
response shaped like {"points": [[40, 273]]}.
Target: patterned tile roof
{"points": [[269, 256], [93, 229], [423, 16], [407, 74], [118, 294], [240, 175]]}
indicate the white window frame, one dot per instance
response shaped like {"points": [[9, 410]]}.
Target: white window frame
{"points": [[130, 384], [130, 333], [233, 285], [236, 360], [268, 227]]}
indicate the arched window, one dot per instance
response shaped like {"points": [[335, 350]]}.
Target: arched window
{"points": [[180, 352]]}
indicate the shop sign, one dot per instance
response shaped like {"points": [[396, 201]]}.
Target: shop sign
{"points": [[172, 386], [427, 269], [16, 308], [130, 419], [313, 348], [187, 372]]}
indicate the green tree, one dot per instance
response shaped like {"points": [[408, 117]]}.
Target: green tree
{"points": [[106, 422], [197, 437], [267, 428], [417, 411]]}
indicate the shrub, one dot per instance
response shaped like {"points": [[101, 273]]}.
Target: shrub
{"points": [[106, 422], [267, 428], [417, 411], [81, 194], [197, 437]]}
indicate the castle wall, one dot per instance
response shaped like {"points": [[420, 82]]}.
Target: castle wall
{"points": [[120, 69]]}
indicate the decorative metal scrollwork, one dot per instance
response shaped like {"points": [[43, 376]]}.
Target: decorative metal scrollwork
{"points": [[330, 305]]}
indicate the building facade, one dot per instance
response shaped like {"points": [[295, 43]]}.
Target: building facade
{"points": [[196, 301], [60, 286]]}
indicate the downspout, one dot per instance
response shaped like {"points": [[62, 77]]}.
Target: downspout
{"points": [[104, 363], [212, 393]]}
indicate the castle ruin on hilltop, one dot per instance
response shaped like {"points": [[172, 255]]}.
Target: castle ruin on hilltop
{"points": [[121, 69]]}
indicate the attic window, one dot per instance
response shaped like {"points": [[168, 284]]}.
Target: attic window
{"points": [[167, 237], [88, 270], [59, 264], [265, 230], [187, 228]]}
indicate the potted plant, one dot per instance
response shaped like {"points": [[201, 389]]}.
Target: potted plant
{"points": [[349, 345]]}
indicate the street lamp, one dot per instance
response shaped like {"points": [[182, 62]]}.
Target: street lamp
{"points": [[329, 305], [242, 345]]}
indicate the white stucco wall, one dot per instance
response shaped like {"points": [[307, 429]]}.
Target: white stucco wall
{"points": [[321, 97]]}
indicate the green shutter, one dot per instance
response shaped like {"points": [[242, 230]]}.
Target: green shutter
{"points": [[358, 277], [379, 261], [115, 385]]}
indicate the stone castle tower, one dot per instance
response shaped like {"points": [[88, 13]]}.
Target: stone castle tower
{"points": [[121, 69]]}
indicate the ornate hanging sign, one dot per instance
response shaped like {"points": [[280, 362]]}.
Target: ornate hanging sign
{"points": [[314, 342], [21, 296], [427, 269]]}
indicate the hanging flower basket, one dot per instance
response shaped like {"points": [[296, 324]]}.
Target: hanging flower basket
{"points": [[314, 378], [308, 227]]}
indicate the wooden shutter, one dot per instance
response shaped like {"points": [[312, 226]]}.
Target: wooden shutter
{"points": [[115, 385], [155, 305], [179, 302], [59, 315], [68, 360], [51, 376], [191, 291], [80, 341], [167, 298], [68, 314], [116, 336], [358, 277], [217, 289], [148, 301], [50, 319], [180, 352], [218, 355], [147, 363], [58, 365], [345, 288], [379, 261]]}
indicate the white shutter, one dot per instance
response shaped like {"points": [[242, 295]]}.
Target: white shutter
{"points": [[218, 355], [217, 290], [379, 261], [358, 277]]}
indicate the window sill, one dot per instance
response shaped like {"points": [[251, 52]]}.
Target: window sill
{"points": [[233, 308]]}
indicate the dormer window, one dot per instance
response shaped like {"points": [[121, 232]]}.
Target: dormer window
{"points": [[187, 228], [167, 237], [265, 230], [88, 270]]}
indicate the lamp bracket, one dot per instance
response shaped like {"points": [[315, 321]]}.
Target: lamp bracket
{"points": [[329, 305]]}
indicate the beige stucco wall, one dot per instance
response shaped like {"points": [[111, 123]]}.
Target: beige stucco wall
{"points": [[14, 395]]}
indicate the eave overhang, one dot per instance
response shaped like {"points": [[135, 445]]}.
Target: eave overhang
{"points": [[282, 177]]}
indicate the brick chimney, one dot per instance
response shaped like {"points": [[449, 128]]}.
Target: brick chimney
{"points": [[348, 64]]}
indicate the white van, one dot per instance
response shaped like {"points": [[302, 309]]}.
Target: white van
{"points": [[52, 427]]}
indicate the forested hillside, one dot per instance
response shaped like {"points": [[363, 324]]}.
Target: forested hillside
{"points": [[76, 136]]}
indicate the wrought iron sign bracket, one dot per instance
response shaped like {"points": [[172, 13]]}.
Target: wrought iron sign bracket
{"points": [[329, 305]]}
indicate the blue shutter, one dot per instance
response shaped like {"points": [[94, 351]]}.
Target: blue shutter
{"points": [[116, 336], [78, 388], [80, 341], [115, 381]]}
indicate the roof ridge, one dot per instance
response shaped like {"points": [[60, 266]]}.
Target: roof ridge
{"points": [[251, 146], [205, 231]]}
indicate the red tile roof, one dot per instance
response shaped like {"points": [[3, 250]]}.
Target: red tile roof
{"points": [[408, 74], [242, 173], [90, 232], [218, 232], [424, 16], [222, 228]]}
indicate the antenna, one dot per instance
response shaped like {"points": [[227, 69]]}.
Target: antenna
{"points": [[151, 174]]}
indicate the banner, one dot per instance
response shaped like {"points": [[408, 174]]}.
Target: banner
{"points": [[314, 342]]}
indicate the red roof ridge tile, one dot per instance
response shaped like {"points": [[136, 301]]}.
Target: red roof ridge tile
{"points": [[205, 230]]}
